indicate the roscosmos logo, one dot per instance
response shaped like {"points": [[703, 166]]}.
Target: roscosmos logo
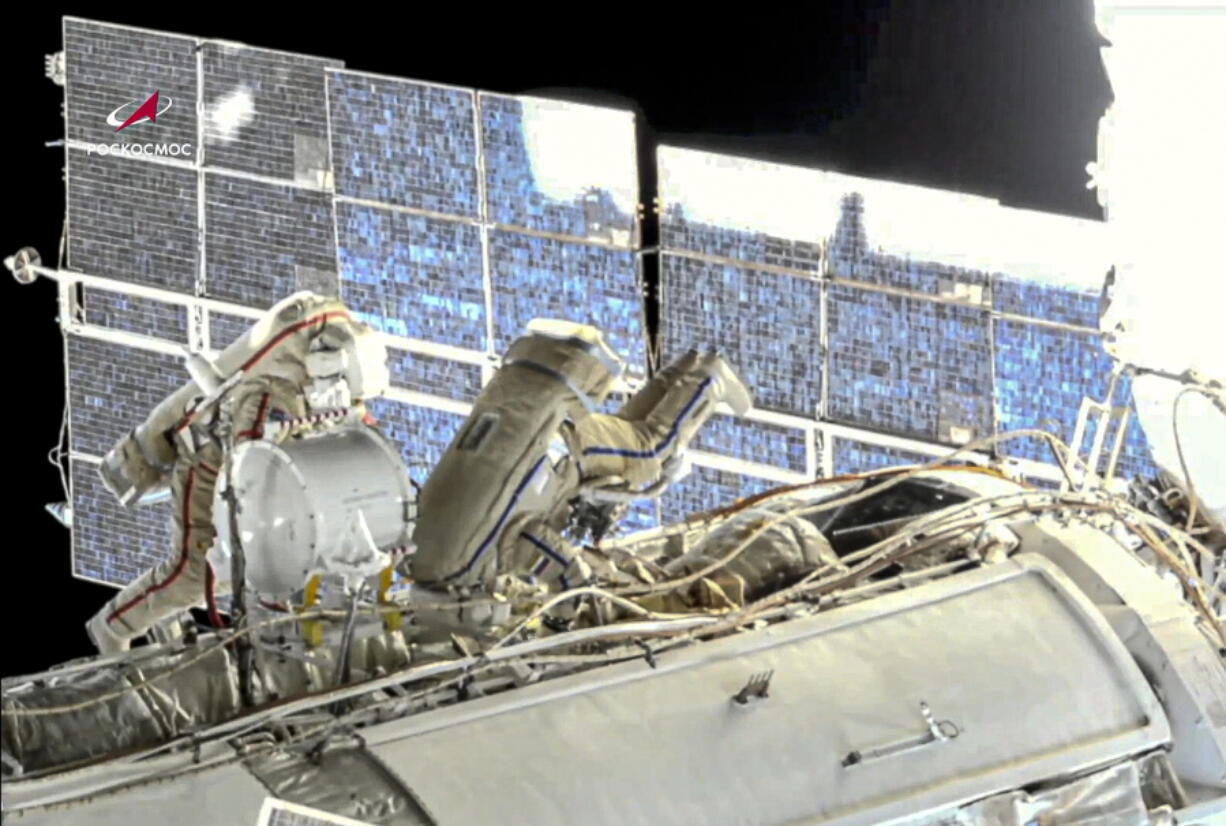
{"points": [[135, 112], [149, 110]]}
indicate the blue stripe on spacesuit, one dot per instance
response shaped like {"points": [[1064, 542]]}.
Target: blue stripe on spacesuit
{"points": [[493, 534], [663, 445], [546, 550], [562, 561]]}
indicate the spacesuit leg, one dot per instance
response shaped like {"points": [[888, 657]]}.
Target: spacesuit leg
{"points": [[649, 395], [537, 550], [177, 583], [636, 450]]}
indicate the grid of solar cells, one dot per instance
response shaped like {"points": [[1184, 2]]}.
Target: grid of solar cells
{"points": [[927, 277], [421, 433], [767, 324], [111, 70], [1041, 483], [1051, 302], [515, 195], [1135, 456], [680, 233], [265, 112], [762, 442], [266, 241], [641, 515], [413, 276], [909, 365], [404, 143], [854, 456], [224, 329], [114, 201], [707, 488], [1042, 374], [136, 314], [433, 375], [112, 387], [537, 277], [850, 257], [112, 543]]}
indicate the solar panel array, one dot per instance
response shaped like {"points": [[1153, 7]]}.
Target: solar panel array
{"points": [[448, 218], [881, 352], [440, 215]]}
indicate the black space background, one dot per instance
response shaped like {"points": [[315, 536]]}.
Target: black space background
{"points": [[994, 97]]}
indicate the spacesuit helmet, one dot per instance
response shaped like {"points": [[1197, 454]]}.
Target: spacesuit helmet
{"points": [[596, 384]]}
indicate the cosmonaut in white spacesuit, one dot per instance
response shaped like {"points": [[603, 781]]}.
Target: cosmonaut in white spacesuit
{"points": [[306, 355], [499, 499]]}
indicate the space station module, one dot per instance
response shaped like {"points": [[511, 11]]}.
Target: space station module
{"points": [[536, 445], [304, 356]]}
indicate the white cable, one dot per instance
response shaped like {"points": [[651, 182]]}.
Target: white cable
{"points": [[57, 453]]}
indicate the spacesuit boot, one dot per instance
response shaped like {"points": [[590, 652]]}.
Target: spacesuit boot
{"points": [[637, 450], [641, 403], [108, 638], [728, 385]]}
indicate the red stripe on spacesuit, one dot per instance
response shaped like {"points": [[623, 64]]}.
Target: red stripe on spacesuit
{"points": [[263, 351], [210, 595], [257, 432], [184, 552]]}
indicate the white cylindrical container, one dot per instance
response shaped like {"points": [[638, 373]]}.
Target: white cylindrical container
{"points": [[302, 505]]}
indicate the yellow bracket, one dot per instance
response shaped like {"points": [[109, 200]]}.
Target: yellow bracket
{"points": [[392, 620], [312, 630]]}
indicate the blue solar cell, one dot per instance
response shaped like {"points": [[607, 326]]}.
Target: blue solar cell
{"points": [[225, 329], [285, 134], [538, 277], [1050, 302], [850, 257], [112, 543], [767, 444], [515, 195], [136, 314], [681, 233], [434, 376], [133, 221], [404, 143], [111, 70], [641, 515], [853, 456], [705, 489], [421, 433], [1135, 456], [412, 276], [111, 388], [1042, 374], [909, 365], [768, 325], [1041, 483], [266, 241]]}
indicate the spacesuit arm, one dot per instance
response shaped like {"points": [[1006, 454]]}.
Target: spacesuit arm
{"points": [[259, 402]]}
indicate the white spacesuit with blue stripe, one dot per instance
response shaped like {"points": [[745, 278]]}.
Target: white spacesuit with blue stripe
{"points": [[500, 498]]}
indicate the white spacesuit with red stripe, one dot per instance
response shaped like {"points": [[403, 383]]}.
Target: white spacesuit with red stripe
{"points": [[306, 355]]}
